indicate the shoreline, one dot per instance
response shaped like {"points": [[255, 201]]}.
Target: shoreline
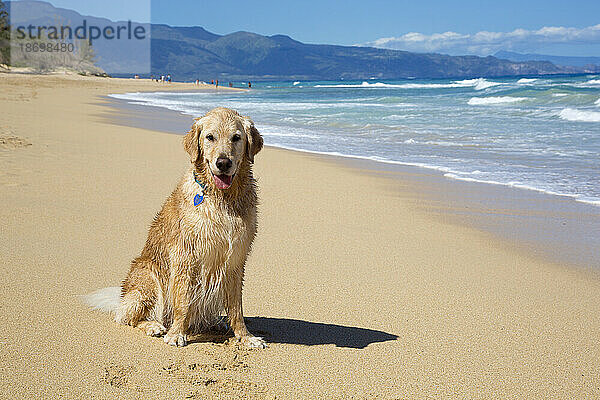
{"points": [[446, 171], [554, 227]]}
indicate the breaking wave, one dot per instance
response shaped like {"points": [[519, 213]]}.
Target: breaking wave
{"points": [[477, 101], [571, 114], [523, 81], [477, 84]]}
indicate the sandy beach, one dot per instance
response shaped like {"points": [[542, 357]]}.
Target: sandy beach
{"points": [[361, 291]]}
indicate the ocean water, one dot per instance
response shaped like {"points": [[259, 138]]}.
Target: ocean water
{"points": [[540, 134]]}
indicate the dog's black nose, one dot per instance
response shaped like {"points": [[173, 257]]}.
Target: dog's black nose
{"points": [[223, 164]]}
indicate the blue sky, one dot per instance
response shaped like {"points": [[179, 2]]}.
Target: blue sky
{"points": [[410, 25]]}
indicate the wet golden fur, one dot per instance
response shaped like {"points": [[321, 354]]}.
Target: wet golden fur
{"points": [[192, 266]]}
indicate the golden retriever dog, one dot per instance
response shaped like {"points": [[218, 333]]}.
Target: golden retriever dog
{"points": [[192, 266]]}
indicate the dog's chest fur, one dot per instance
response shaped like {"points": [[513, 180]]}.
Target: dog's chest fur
{"points": [[219, 233]]}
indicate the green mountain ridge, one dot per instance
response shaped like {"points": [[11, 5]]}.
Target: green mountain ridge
{"points": [[246, 55], [576, 61]]}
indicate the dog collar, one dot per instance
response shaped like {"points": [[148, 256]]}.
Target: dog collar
{"points": [[199, 197]]}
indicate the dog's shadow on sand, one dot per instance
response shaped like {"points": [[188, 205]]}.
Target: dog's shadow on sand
{"points": [[294, 331]]}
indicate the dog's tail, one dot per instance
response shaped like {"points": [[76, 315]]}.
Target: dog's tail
{"points": [[107, 299]]}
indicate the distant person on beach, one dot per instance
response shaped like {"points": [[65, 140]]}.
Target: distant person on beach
{"points": [[217, 83], [230, 84], [249, 85], [169, 78]]}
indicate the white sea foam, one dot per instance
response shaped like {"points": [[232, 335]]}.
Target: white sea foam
{"points": [[589, 201], [597, 102], [448, 173], [592, 83], [448, 144], [559, 94], [524, 81], [296, 83], [439, 143], [430, 85], [476, 101], [572, 114], [477, 84], [374, 85], [195, 106], [359, 157], [518, 185], [277, 133]]}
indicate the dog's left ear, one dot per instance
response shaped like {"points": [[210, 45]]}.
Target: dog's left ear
{"points": [[190, 141], [254, 138]]}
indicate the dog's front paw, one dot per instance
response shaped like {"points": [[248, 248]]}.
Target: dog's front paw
{"points": [[253, 342], [153, 328], [176, 339]]}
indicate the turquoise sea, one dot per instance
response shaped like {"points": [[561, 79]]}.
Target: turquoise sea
{"points": [[540, 133]]}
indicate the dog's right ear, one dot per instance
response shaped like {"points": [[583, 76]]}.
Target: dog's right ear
{"points": [[191, 141]]}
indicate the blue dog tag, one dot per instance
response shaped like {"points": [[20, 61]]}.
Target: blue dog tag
{"points": [[198, 199]]}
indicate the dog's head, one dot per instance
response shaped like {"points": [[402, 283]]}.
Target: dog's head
{"points": [[221, 144]]}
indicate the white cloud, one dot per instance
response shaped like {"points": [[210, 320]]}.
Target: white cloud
{"points": [[485, 43]]}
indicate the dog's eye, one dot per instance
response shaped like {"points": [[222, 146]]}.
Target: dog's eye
{"points": [[235, 138], [210, 138]]}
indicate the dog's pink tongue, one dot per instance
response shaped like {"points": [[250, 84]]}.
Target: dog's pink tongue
{"points": [[223, 181]]}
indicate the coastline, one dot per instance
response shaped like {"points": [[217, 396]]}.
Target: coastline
{"points": [[361, 288], [492, 151], [556, 228]]}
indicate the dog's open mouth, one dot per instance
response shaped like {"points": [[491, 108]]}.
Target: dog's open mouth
{"points": [[223, 181]]}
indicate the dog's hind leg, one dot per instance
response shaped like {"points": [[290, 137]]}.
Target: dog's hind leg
{"points": [[141, 301]]}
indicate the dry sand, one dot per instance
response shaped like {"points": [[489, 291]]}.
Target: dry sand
{"points": [[361, 293]]}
